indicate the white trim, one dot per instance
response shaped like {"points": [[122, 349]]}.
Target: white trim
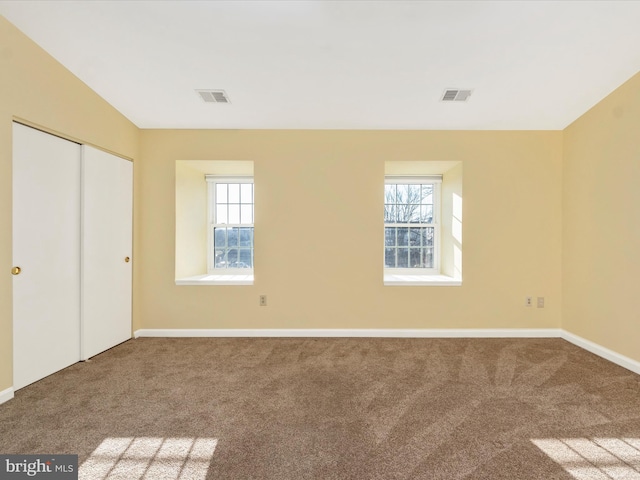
{"points": [[83, 216], [353, 333], [610, 355], [413, 179], [601, 351], [213, 178], [216, 280], [396, 280], [6, 395]]}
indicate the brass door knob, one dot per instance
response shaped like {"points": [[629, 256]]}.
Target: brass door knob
{"points": [[127, 259], [16, 271]]}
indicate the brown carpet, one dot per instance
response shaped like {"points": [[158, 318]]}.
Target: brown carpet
{"points": [[330, 408]]}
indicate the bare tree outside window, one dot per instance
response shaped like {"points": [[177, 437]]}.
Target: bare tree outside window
{"points": [[409, 231]]}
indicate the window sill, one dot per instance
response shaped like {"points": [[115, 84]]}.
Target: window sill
{"points": [[417, 280], [216, 280]]}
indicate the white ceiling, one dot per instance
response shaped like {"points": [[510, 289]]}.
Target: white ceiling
{"points": [[342, 64]]}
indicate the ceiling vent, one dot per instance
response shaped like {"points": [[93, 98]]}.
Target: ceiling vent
{"points": [[456, 95], [213, 96]]}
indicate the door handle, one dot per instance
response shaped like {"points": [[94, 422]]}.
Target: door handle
{"points": [[127, 259], [16, 271]]}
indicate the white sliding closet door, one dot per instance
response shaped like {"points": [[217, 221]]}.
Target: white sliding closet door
{"points": [[107, 186], [46, 247]]}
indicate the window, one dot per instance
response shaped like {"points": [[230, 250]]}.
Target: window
{"points": [[230, 232], [411, 225]]}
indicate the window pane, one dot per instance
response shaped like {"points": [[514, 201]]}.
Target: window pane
{"points": [[245, 258], [426, 213], [232, 237], [390, 258], [246, 237], [221, 214], [234, 214], [414, 213], [403, 258], [390, 236], [428, 258], [413, 203], [234, 193], [427, 194], [416, 257], [403, 213], [221, 193], [389, 214], [246, 214], [427, 237], [403, 236], [219, 237], [403, 194], [389, 194], [415, 236], [246, 193], [221, 258], [413, 194], [232, 257], [220, 247]]}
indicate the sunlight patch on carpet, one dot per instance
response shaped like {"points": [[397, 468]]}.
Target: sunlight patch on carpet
{"points": [[596, 458], [154, 458]]}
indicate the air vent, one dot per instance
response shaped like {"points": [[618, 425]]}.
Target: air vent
{"points": [[456, 95], [213, 96]]}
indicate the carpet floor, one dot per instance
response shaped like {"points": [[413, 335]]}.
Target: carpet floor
{"points": [[335, 408]]}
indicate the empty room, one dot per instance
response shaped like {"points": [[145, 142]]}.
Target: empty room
{"points": [[319, 239]]}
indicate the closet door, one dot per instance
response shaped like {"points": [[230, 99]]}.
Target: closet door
{"points": [[46, 249], [107, 186]]}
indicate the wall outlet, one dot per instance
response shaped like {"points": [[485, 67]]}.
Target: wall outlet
{"points": [[540, 302], [528, 301], [263, 300]]}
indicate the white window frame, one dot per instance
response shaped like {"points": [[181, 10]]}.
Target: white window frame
{"points": [[436, 181], [212, 181]]}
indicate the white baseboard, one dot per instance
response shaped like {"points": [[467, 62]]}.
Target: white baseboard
{"points": [[365, 332], [6, 395], [603, 352], [592, 347]]}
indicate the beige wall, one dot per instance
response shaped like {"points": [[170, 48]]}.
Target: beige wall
{"points": [[601, 208], [312, 184], [34, 87]]}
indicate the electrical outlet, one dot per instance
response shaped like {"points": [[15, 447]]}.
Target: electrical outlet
{"points": [[540, 302], [528, 301], [263, 300]]}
